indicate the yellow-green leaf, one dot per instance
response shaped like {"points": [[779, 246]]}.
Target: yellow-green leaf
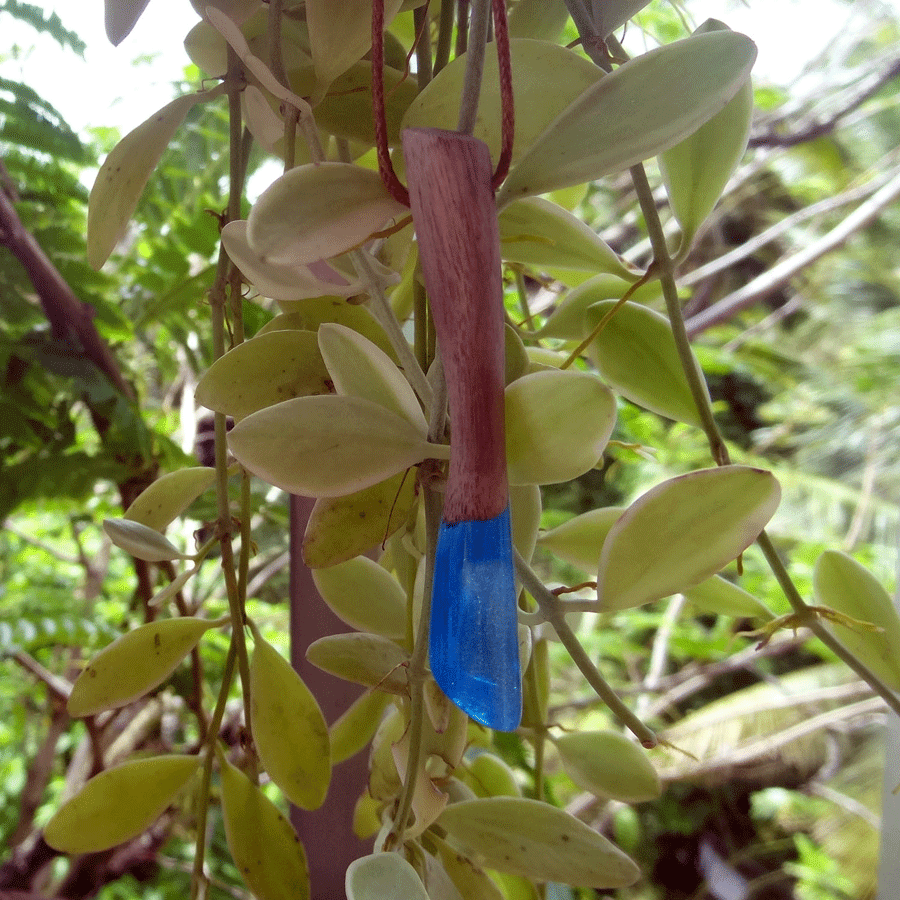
{"points": [[538, 233], [353, 730], [848, 587], [263, 844], [536, 840], [135, 663], [683, 531], [289, 730], [124, 174], [546, 79], [636, 354], [341, 528], [169, 496], [569, 320], [721, 597], [328, 446], [557, 425], [580, 540], [314, 212], [696, 171], [118, 804], [270, 368], [362, 594], [367, 659], [338, 41], [360, 369], [608, 764]]}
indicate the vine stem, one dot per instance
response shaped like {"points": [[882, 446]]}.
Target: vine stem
{"points": [[237, 652], [417, 674], [385, 315], [804, 615], [550, 609], [478, 35]]}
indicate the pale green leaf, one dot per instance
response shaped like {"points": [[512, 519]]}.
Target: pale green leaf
{"points": [[337, 41], [169, 496], [288, 282], [580, 540], [124, 174], [644, 107], [367, 659], [546, 79], [328, 446], [557, 425], [383, 875], [609, 764], [360, 369], [696, 171], [683, 531], [270, 368], [536, 840], [362, 594], [569, 319], [314, 212], [718, 596], [538, 233], [848, 587], [140, 541], [636, 354]]}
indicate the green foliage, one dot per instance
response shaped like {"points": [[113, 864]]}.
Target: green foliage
{"points": [[333, 405], [44, 23]]}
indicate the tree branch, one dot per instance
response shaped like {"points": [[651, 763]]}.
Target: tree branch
{"points": [[781, 273], [820, 129], [70, 318]]}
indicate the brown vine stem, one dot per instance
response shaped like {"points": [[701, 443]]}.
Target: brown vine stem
{"points": [[233, 584]]}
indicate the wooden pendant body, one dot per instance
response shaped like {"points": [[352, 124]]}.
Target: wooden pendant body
{"points": [[455, 215]]}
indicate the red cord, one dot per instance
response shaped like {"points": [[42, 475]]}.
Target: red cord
{"points": [[508, 122], [385, 167], [504, 63]]}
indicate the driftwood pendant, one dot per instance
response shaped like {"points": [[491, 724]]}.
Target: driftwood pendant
{"points": [[474, 637]]}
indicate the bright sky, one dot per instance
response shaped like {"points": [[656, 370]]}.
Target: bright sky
{"points": [[107, 89]]}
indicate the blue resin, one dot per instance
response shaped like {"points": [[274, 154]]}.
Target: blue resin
{"points": [[474, 637]]}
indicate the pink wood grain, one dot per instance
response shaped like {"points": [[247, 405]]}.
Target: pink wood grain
{"points": [[455, 216]]}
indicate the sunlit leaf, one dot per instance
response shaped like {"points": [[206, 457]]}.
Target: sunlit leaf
{"points": [[328, 446], [644, 107], [276, 366], [314, 212], [537, 840], [636, 354], [682, 532], [124, 174]]}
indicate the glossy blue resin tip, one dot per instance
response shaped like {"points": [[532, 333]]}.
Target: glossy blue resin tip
{"points": [[474, 646]]}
